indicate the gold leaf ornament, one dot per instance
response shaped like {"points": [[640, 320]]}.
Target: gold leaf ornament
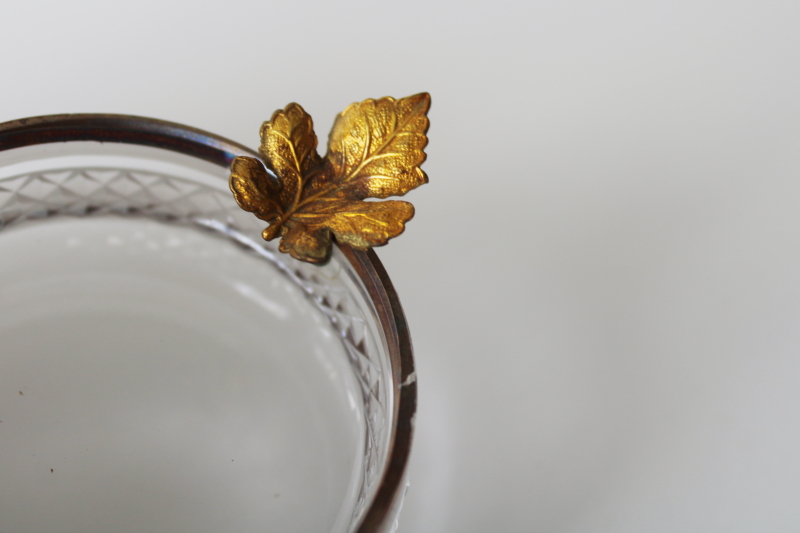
{"points": [[375, 150]]}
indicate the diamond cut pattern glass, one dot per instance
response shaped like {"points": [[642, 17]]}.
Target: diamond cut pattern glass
{"points": [[352, 292]]}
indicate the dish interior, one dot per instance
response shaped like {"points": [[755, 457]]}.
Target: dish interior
{"points": [[157, 375]]}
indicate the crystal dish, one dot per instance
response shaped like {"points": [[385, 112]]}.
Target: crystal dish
{"points": [[165, 369]]}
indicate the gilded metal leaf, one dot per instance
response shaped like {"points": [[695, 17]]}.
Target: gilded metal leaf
{"points": [[289, 148], [254, 189], [375, 150], [377, 146]]}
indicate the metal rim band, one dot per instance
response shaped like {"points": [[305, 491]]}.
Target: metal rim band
{"points": [[209, 147]]}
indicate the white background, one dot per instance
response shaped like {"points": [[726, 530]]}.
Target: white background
{"points": [[603, 276]]}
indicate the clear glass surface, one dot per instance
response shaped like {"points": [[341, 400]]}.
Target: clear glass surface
{"points": [[163, 369]]}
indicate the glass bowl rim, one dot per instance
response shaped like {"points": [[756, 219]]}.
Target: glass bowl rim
{"points": [[129, 129]]}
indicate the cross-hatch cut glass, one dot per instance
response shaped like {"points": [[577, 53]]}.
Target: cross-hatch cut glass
{"points": [[41, 185]]}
